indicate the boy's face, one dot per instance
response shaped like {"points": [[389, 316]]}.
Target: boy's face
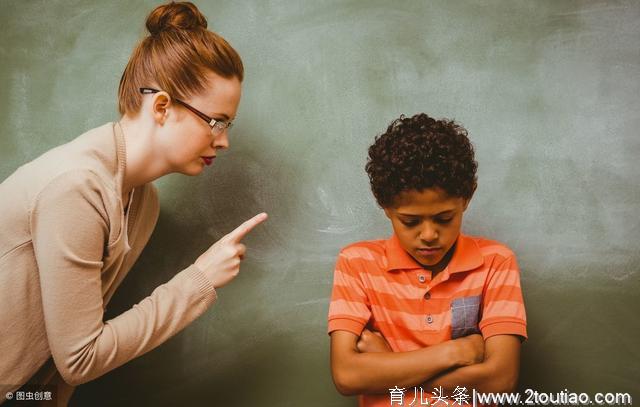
{"points": [[427, 223]]}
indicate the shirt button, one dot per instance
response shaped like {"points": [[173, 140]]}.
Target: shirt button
{"points": [[422, 278], [427, 296], [429, 319]]}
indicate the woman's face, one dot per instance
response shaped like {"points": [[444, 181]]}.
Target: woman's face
{"points": [[188, 143]]}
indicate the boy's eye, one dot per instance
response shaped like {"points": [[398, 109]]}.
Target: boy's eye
{"points": [[444, 220], [410, 223]]}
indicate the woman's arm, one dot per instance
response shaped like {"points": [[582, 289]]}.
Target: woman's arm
{"points": [[70, 229]]}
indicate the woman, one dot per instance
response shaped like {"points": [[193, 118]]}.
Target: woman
{"points": [[74, 220]]}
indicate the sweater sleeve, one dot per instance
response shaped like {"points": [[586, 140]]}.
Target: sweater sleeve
{"points": [[70, 230]]}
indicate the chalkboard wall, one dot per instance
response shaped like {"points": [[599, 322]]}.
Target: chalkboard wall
{"points": [[547, 89]]}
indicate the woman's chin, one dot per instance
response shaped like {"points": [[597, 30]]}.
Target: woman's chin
{"points": [[192, 169]]}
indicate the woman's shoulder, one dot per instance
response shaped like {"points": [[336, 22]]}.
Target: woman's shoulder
{"points": [[93, 151], [86, 164]]}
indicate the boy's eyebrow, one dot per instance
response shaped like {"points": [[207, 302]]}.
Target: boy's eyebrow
{"points": [[413, 215]]}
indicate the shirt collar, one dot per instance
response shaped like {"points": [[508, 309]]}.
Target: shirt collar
{"points": [[466, 257], [121, 156]]}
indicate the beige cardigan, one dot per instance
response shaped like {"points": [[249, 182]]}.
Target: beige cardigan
{"points": [[65, 246]]}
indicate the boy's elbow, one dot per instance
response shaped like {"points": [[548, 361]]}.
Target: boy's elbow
{"points": [[347, 370], [345, 382], [502, 382], [344, 389], [507, 383], [501, 387], [507, 380]]}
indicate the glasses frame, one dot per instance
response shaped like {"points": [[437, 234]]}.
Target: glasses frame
{"points": [[217, 126]]}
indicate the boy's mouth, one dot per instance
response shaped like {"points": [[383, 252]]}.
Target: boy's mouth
{"points": [[428, 251]]}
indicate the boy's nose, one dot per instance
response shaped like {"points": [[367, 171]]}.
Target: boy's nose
{"points": [[428, 234]]}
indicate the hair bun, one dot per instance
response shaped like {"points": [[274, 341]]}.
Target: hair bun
{"points": [[182, 15]]}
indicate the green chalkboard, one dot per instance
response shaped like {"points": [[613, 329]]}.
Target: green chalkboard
{"points": [[547, 89]]}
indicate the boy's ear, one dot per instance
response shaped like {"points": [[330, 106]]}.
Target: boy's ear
{"points": [[387, 212], [466, 204]]}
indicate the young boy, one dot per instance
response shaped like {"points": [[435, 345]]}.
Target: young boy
{"points": [[430, 313]]}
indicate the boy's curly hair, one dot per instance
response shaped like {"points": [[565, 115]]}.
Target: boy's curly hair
{"points": [[420, 152]]}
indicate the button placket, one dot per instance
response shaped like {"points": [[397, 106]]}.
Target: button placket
{"points": [[428, 318]]}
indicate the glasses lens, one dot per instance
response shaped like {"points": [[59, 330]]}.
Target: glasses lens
{"points": [[220, 126]]}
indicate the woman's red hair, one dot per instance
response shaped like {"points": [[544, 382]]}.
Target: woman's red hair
{"points": [[176, 56]]}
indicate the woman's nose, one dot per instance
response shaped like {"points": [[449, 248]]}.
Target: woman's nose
{"points": [[221, 140]]}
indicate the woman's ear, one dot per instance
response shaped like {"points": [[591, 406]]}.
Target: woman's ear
{"points": [[160, 105]]}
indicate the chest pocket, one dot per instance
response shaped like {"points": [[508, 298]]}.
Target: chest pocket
{"points": [[464, 316]]}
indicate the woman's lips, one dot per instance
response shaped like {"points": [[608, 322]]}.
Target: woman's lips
{"points": [[208, 160]]}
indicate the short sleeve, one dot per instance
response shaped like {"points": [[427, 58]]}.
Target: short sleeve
{"points": [[349, 309], [503, 311]]}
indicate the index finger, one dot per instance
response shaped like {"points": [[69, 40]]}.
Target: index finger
{"points": [[241, 231]]}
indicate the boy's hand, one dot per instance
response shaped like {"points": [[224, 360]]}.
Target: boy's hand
{"points": [[221, 262], [470, 349], [372, 341]]}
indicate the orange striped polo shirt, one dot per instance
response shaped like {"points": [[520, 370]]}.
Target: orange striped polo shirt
{"points": [[379, 285]]}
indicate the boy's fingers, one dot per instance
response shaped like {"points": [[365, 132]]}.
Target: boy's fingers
{"points": [[241, 231]]}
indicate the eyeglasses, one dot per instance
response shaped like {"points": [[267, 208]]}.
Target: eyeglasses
{"points": [[217, 126]]}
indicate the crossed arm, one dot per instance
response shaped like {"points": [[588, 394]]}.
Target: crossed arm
{"points": [[497, 373], [366, 365]]}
